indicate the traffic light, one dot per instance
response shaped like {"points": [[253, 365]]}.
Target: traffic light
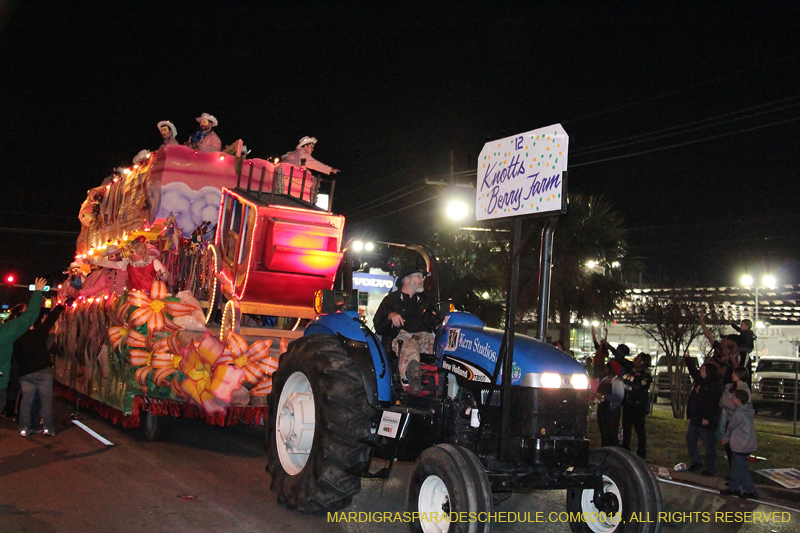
{"points": [[10, 279]]}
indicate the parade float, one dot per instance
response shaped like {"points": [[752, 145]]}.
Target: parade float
{"points": [[242, 246]]}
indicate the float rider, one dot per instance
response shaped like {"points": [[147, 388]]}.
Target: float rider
{"points": [[204, 139], [301, 157], [168, 132]]}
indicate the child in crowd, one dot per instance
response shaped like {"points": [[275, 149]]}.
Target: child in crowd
{"points": [[741, 436]]}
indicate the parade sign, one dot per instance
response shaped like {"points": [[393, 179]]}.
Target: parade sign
{"points": [[523, 175]]}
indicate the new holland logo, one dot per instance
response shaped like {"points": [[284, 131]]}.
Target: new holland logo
{"points": [[464, 370]]}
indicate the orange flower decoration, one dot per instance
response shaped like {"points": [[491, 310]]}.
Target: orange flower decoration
{"points": [[209, 384], [253, 359], [156, 357], [154, 310]]}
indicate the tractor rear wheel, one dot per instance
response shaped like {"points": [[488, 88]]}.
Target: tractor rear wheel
{"points": [[629, 487], [318, 415]]}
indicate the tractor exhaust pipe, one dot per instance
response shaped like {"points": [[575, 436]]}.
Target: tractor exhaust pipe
{"points": [[545, 267]]}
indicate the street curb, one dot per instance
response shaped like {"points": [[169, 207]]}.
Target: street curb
{"points": [[765, 492]]}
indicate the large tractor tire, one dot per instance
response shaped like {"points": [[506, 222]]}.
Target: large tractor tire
{"points": [[449, 479], [318, 414], [631, 488]]}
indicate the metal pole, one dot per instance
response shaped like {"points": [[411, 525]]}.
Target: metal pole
{"points": [[756, 305], [508, 340], [545, 267], [796, 387]]}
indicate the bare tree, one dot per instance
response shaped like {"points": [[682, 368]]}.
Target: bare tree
{"points": [[672, 323]]}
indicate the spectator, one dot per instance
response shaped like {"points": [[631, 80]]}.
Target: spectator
{"points": [[702, 410], [610, 393], [722, 352], [740, 377], [11, 330], [620, 353], [741, 437], [635, 405], [600, 356], [36, 375], [746, 343], [12, 391], [169, 133], [204, 139], [301, 157]]}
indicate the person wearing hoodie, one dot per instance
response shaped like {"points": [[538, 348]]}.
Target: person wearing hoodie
{"points": [[702, 410], [36, 375], [11, 330], [740, 379], [741, 437]]}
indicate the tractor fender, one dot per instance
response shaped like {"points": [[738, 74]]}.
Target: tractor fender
{"points": [[363, 346]]}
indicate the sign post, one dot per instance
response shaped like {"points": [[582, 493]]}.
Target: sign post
{"points": [[518, 176]]}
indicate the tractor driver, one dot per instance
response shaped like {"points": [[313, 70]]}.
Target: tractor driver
{"points": [[404, 316]]}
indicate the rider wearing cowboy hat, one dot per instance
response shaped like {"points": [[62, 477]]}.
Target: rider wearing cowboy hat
{"points": [[204, 139], [301, 157], [168, 132]]}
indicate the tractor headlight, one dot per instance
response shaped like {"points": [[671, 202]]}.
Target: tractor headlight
{"points": [[580, 381], [551, 381]]}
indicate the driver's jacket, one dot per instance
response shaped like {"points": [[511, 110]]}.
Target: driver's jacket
{"points": [[411, 308]]}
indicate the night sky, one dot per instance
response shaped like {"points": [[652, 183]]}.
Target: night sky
{"points": [[391, 89]]}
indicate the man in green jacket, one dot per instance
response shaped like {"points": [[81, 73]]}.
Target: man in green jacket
{"points": [[12, 330]]}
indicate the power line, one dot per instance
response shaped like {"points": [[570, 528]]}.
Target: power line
{"points": [[651, 136], [714, 223], [391, 195], [682, 89], [711, 138], [397, 210]]}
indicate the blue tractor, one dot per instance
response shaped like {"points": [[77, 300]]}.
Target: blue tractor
{"points": [[337, 403]]}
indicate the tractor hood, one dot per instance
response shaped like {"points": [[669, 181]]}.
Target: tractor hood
{"points": [[469, 349]]}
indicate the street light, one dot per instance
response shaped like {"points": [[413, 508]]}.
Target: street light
{"points": [[767, 282], [457, 210]]}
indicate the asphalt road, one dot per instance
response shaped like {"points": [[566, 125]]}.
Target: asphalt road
{"points": [[209, 479]]}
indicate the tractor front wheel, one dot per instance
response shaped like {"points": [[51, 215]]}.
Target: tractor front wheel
{"points": [[447, 481], [631, 500]]}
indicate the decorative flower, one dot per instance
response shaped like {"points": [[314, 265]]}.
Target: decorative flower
{"points": [[209, 384], [156, 357], [154, 310], [263, 388], [120, 332], [254, 359]]}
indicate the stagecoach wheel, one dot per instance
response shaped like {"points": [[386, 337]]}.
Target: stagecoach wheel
{"points": [[318, 416], [628, 487], [212, 283], [448, 479], [158, 428], [231, 319]]}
